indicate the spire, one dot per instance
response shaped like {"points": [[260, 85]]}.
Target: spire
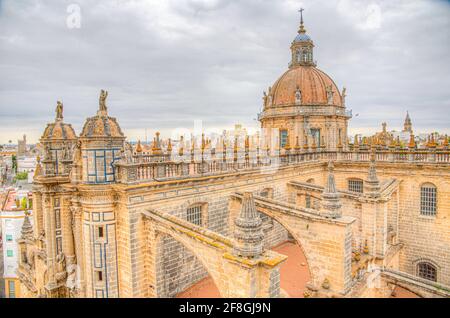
{"points": [[27, 228], [248, 231], [38, 170], [372, 184], [139, 147], [156, 149], [287, 146], [331, 204], [305, 143], [412, 142], [407, 126], [301, 29], [445, 142], [297, 145]]}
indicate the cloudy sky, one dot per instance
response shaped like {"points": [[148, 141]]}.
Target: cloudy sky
{"points": [[168, 63]]}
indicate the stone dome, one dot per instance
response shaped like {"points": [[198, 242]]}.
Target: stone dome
{"points": [[313, 84], [59, 131], [101, 126]]}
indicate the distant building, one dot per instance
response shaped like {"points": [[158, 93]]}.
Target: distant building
{"points": [[27, 164], [407, 126], [12, 217], [22, 146]]}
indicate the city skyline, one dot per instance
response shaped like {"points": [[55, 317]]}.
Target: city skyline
{"points": [[216, 69]]}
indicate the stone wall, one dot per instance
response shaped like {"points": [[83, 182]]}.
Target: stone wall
{"points": [[177, 267], [423, 238]]}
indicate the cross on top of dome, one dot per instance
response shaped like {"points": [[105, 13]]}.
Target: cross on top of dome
{"points": [[302, 36], [302, 29]]}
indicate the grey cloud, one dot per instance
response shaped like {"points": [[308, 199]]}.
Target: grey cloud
{"points": [[167, 63]]}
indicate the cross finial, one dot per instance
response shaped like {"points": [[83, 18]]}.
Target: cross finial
{"points": [[302, 29], [301, 15]]}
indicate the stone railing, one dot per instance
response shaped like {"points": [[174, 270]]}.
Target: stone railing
{"points": [[147, 169], [402, 279], [306, 110]]}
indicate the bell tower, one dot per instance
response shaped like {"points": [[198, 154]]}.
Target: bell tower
{"points": [[407, 126]]}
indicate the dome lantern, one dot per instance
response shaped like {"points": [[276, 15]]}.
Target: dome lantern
{"points": [[302, 47]]}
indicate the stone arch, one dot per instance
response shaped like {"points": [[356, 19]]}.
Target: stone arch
{"points": [[192, 250], [326, 243], [427, 183], [297, 239], [234, 208]]}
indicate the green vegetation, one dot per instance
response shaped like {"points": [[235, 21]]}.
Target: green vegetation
{"points": [[14, 163], [21, 176], [23, 203]]}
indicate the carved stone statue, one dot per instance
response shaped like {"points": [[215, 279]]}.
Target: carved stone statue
{"points": [[77, 153], [102, 100], [298, 96], [59, 110], [66, 152], [72, 277], [61, 273], [329, 95], [265, 99], [128, 152]]}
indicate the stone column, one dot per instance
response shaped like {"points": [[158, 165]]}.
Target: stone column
{"points": [[66, 222], [49, 221], [77, 236], [37, 213]]}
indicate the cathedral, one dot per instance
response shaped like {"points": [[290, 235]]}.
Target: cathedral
{"points": [[366, 218]]}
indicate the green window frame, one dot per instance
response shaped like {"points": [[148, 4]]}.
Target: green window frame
{"points": [[283, 138]]}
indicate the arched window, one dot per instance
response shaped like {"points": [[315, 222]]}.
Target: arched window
{"points": [[428, 194], [195, 213], [427, 271], [355, 185]]}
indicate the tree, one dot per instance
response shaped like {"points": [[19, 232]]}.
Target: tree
{"points": [[21, 176], [14, 163], [23, 204]]}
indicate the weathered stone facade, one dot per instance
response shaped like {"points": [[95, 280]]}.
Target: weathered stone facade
{"points": [[112, 222]]}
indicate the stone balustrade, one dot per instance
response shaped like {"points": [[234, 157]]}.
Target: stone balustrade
{"points": [[151, 168], [305, 110]]}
